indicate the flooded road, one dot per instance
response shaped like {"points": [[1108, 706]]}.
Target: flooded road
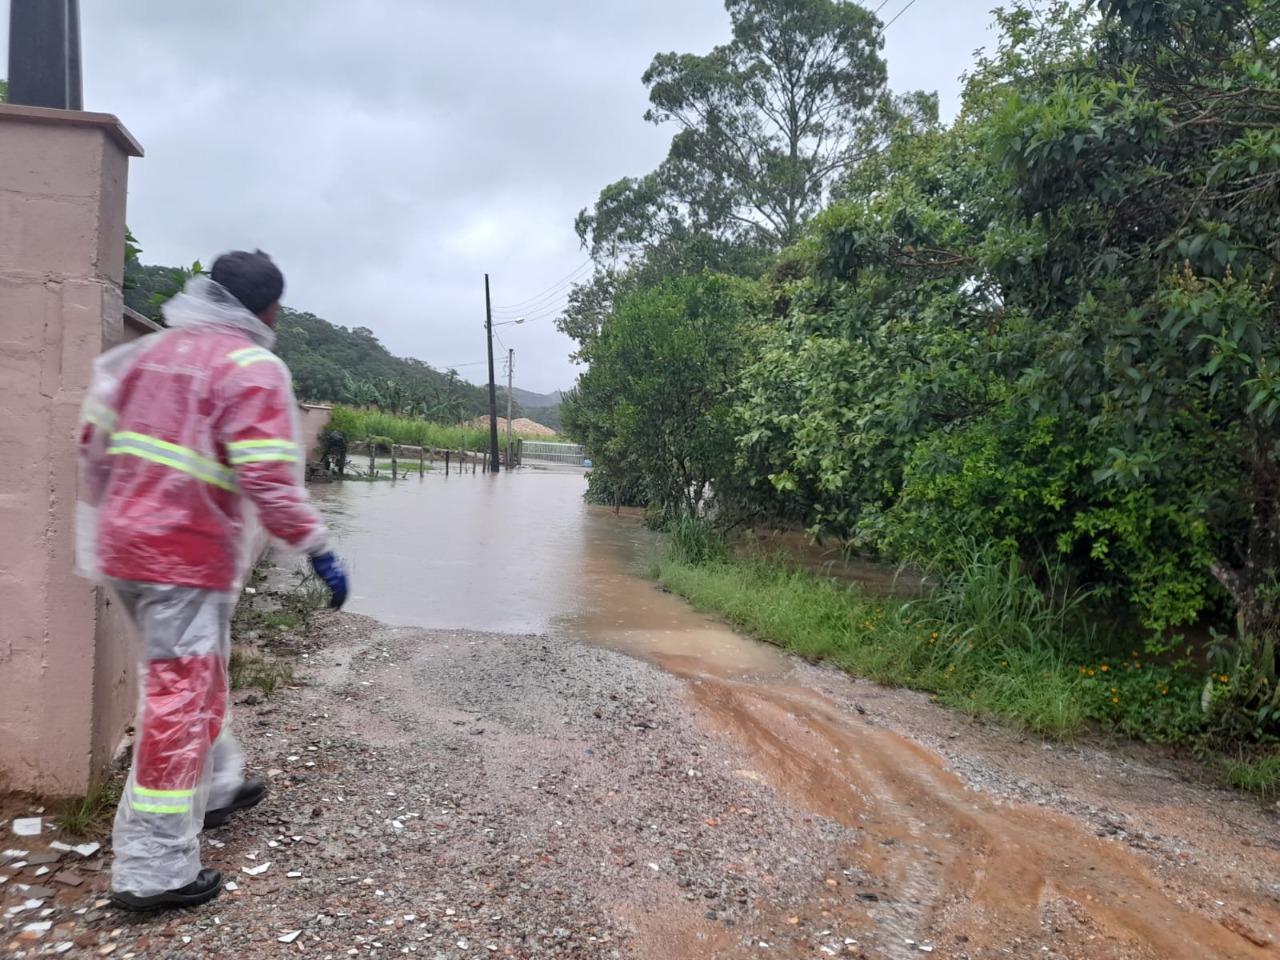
{"points": [[504, 554], [979, 842], [520, 553]]}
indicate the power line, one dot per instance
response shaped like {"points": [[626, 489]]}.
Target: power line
{"points": [[551, 291], [877, 10], [910, 4], [511, 313], [551, 294], [551, 311], [563, 280]]}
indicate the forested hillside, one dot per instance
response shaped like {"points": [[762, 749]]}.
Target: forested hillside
{"points": [[334, 364]]}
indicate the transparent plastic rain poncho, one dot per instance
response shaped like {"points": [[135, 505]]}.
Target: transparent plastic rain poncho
{"points": [[203, 391], [189, 448]]}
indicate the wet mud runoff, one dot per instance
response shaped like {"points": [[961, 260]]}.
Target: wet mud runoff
{"points": [[970, 841], [975, 875]]}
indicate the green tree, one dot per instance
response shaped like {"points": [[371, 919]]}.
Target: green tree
{"points": [[768, 123], [653, 408], [769, 120], [1053, 326], [883, 330], [1152, 177]]}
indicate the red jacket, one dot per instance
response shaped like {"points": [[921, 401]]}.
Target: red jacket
{"points": [[194, 434]]}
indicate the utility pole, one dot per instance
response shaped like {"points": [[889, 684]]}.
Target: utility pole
{"points": [[511, 366], [44, 54], [493, 390]]}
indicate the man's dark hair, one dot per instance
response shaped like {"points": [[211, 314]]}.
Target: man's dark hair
{"points": [[249, 277]]}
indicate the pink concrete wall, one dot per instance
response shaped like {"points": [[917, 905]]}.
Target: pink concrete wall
{"points": [[314, 419], [63, 183]]}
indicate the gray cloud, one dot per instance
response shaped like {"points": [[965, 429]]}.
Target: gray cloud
{"points": [[389, 153]]}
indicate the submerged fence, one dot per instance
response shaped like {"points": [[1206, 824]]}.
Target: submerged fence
{"points": [[544, 451]]}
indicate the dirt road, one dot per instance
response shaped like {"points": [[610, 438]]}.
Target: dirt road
{"points": [[455, 795]]}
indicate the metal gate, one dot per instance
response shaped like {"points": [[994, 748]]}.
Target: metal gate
{"points": [[545, 452]]}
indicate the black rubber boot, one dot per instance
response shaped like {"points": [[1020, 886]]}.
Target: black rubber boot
{"points": [[249, 795], [200, 890]]}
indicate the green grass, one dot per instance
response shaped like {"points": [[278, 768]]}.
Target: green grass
{"points": [[820, 619], [250, 670], [692, 541], [297, 605], [309, 596], [358, 469], [287, 619], [987, 643], [90, 815], [359, 426], [1255, 774]]}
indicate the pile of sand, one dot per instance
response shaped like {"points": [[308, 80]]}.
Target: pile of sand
{"points": [[522, 426]]}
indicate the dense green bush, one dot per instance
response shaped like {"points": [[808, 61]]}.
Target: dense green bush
{"points": [[1051, 329]]}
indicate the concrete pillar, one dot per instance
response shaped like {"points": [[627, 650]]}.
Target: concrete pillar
{"points": [[66, 687]]}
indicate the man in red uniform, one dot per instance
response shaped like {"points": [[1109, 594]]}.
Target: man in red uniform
{"points": [[189, 441]]}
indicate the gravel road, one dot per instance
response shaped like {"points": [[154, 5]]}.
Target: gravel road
{"points": [[462, 795]]}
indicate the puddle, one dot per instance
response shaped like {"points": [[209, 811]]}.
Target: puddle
{"points": [[521, 553], [496, 554]]}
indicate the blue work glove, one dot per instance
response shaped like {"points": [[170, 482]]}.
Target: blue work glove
{"points": [[329, 569]]}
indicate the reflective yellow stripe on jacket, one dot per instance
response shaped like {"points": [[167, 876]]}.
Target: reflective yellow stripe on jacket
{"points": [[100, 415], [173, 456], [248, 356], [260, 451]]}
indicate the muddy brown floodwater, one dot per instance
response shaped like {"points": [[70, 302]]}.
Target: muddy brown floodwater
{"points": [[978, 841]]}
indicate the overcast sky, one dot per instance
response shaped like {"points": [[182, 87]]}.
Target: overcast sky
{"points": [[389, 153]]}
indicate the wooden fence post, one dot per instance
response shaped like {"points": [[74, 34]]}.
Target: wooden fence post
{"points": [[422, 461]]}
